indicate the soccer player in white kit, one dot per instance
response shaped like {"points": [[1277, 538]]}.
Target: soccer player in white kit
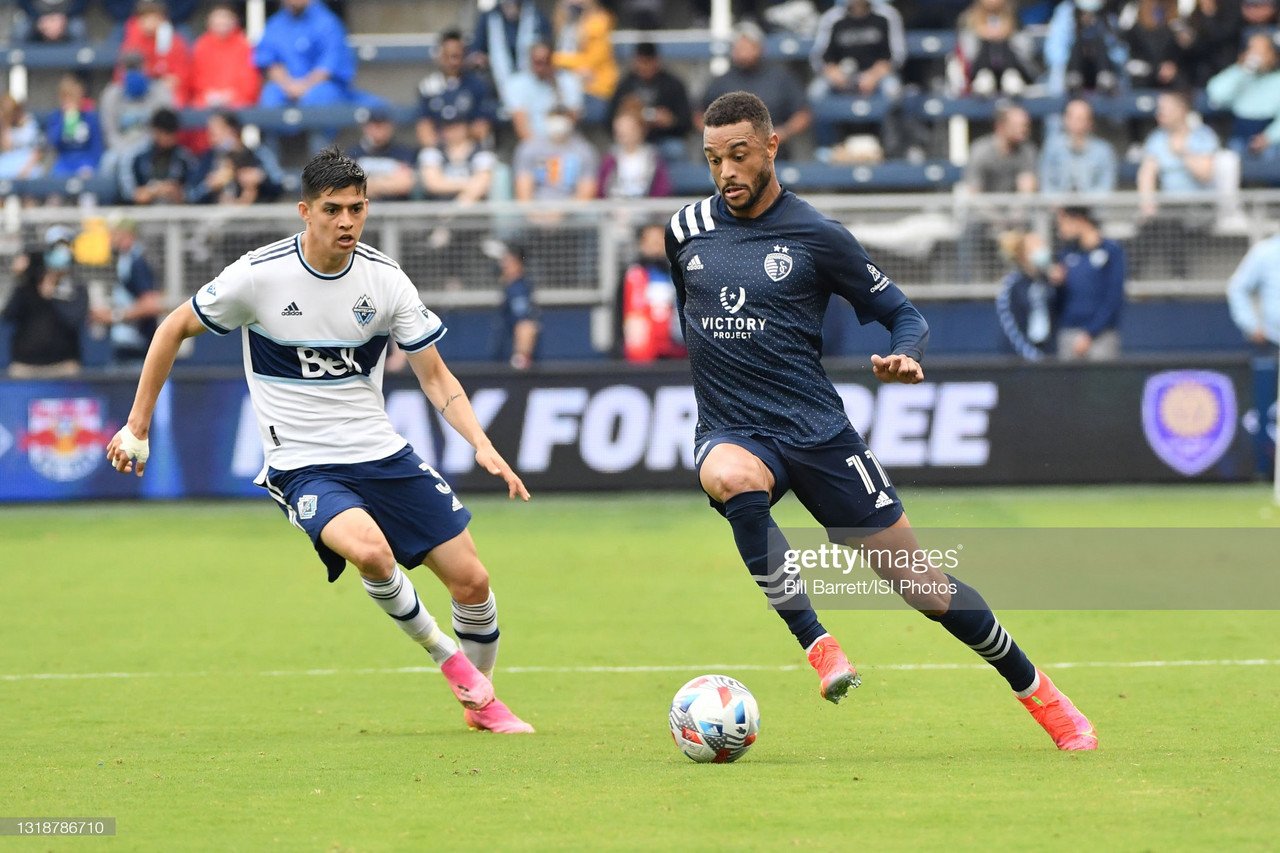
{"points": [[316, 311]]}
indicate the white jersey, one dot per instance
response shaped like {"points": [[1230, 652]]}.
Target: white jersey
{"points": [[314, 347]]}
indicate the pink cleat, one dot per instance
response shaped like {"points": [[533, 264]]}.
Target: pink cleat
{"points": [[467, 683], [1051, 708], [496, 717]]}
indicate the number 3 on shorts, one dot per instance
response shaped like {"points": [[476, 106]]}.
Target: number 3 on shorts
{"points": [[442, 487]]}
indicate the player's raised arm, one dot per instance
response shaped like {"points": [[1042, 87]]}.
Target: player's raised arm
{"points": [[446, 393], [129, 448]]}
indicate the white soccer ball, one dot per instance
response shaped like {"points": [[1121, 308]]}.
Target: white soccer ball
{"points": [[714, 719]]}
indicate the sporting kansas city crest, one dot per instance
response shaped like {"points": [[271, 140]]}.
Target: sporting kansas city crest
{"points": [[1189, 417], [778, 263], [364, 310]]}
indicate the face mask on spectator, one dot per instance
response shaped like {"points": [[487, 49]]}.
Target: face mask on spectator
{"points": [[58, 258], [1089, 5], [135, 83], [559, 127], [1041, 258]]}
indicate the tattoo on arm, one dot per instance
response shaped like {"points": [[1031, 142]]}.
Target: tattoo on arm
{"points": [[449, 402]]}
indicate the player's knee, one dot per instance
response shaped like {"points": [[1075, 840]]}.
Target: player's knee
{"points": [[472, 587], [730, 480], [373, 558]]}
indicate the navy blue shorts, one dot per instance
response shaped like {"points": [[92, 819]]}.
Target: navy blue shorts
{"points": [[413, 506], [840, 482]]}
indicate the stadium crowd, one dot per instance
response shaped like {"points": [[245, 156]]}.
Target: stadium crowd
{"points": [[534, 101]]}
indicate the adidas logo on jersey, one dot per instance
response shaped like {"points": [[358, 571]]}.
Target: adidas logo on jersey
{"points": [[695, 264], [883, 501], [291, 310]]}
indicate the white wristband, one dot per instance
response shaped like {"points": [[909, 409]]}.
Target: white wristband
{"points": [[134, 447]]}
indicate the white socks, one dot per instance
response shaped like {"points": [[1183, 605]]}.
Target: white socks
{"points": [[477, 628], [399, 599]]}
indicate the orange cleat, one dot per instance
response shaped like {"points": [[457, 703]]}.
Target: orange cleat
{"points": [[1051, 708], [837, 674]]}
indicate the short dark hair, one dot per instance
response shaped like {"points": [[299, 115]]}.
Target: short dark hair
{"points": [[165, 119], [733, 107], [1079, 211], [331, 170], [232, 120], [647, 49], [450, 35]]}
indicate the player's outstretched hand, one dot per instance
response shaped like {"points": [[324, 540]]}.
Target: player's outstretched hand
{"points": [[492, 461], [125, 449], [897, 368]]}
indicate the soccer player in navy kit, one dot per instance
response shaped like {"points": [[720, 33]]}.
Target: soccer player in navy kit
{"points": [[754, 267]]}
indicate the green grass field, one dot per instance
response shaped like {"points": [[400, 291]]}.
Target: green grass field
{"points": [[185, 669]]}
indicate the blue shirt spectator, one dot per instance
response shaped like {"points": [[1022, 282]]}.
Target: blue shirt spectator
{"points": [[1060, 38], [1074, 160], [531, 96], [1253, 294], [504, 35], [1251, 90], [161, 171], [73, 132], [451, 93], [304, 56], [1169, 152], [1090, 276]]}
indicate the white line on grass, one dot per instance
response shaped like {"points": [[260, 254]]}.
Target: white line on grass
{"points": [[710, 667]]}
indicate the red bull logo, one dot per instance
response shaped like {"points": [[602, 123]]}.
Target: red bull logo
{"points": [[66, 438]]}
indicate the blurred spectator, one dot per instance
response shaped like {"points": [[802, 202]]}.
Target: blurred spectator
{"points": [[303, 55], [20, 152], [1253, 295], [1074, 159], [584, 46], [772, 82], [73, 132], [46, 310], [1004, 161], [126, 107], [162, 171], [661, 99], [558, 165], [49, 21], [223, 75], [987, 48], [857, 51], [632, 168], [165, 53], [1250, 89], [1090, 275], [459, 168], [1082, 48], [1209, 39], [1026, 301], [650, 322], [1258, 16], [232, 172], [933, 14], [136, 301], [387, 163], [517, 338], [504, 38], [179, 11], [532, 95], [1178, 158], [1153, 52], [451, 93]]}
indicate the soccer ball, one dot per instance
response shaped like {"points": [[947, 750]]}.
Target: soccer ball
{"points": [[714, 719]]}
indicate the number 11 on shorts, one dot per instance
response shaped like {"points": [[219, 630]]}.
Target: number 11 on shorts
{"points": [[855, 462]]}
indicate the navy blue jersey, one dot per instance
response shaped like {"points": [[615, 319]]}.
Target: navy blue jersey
{"points": [[752, 296]]}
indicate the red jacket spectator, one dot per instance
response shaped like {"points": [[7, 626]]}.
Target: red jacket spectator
{"points": [[222, 70], [165, 52]]}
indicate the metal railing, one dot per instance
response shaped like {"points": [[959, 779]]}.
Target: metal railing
{"points": [[937, 246]]}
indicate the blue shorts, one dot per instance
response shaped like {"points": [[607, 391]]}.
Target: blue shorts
{"points": [[413, 506], [840, 482]]}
